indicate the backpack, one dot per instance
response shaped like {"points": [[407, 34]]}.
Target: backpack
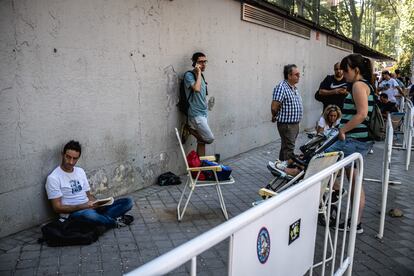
{"points": [[71, 231], [376, 124], [184, 101]]}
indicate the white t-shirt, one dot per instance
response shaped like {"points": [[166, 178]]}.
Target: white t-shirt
{"points": [[322, 123], [72, 187], [391, 90]]}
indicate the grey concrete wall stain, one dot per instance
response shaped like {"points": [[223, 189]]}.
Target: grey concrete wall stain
{"points": [[149, 11], [98, 181], [211, 102], [55, 24], [172, 88], [122, 178]]}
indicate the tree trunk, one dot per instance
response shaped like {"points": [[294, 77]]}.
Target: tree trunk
{"points": [[373, 24], [355, 18], [356, 30], [315, 11]]}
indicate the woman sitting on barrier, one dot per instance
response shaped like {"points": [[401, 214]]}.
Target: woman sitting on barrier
{"points": [[353, 129]]}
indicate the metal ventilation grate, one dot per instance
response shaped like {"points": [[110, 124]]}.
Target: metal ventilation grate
{"points": [[298, 29], [338, 43], [270, 20]]}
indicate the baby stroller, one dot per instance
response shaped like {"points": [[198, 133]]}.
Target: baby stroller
{"points": [[317, 145]]}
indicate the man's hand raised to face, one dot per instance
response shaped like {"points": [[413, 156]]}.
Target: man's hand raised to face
{"points": [[197, 69]]}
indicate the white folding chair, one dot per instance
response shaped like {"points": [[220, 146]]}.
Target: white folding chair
{"points": [[193, 182]]}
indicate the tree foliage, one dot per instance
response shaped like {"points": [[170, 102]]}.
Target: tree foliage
{"points": [[404, 63], [405, 60], [384, 25]]}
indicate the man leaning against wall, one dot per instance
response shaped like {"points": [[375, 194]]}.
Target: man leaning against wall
{"points": [[196, 93]]}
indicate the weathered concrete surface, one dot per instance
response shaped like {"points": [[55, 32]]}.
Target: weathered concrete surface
{"points": [[106, 73]]}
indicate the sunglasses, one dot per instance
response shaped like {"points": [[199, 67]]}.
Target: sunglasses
{"points": [[202, 61]]}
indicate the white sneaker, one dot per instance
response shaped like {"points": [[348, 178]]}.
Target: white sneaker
{"points": [[278, 165], [272, 165], [281, 165]]}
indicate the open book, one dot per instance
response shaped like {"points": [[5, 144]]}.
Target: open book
{"points": [[103, 202]]}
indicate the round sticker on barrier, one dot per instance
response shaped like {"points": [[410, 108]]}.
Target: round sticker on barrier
{"points": [[263, 245]]}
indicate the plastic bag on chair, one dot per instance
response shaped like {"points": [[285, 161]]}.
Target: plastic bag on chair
{"points": [[222, 175]]}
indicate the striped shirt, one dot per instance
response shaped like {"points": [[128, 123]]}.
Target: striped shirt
{"points": [[291, 108], [360, 132]]}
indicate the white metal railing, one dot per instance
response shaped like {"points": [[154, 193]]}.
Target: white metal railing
{"points": [[406, 128], [409, 132], [191, 249], [385, 176]]}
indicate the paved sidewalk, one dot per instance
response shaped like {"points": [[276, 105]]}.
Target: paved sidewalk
{"points": [[156, 230]]}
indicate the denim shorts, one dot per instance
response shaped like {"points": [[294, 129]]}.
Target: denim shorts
{"points": [[200, 124], [350, 146]]}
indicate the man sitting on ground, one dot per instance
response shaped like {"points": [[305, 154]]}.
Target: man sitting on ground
{"points": [[68, 190]]}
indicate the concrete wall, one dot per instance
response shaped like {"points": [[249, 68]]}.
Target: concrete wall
{"points": [[106, 73]]}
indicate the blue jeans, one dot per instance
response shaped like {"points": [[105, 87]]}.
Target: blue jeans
{"points": [[105, 215], [350, 146]]}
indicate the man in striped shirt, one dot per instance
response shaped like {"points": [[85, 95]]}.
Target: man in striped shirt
{"points": [[287, 110]]}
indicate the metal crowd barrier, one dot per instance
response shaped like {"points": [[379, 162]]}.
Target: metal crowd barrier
{"points": [[279, 233], [409, 132], [385, 176]]}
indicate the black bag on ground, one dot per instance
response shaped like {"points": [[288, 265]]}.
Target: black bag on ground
{"points": [[61, 232], [168, 178]]}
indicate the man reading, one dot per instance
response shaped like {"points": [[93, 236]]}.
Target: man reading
{"points": [[69, 192]]}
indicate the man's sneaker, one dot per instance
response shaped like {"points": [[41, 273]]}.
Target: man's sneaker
{"points": [[359, 229], [185, 132], [278, 165], [124, 220], [278, 173], [281, 165]]}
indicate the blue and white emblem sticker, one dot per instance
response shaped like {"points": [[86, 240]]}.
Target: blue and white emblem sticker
{"points": [[263, 245]]}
